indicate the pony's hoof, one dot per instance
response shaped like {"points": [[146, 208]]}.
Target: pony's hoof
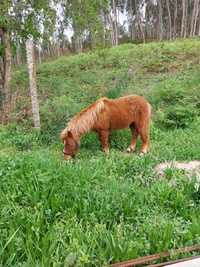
{"points": [[106, 151], [142, 153], [129, 150]]}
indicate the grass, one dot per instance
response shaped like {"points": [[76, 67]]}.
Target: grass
{"points": [[100, 209]]}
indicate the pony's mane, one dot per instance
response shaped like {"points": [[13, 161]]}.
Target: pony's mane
{"points": [[84, 120]]}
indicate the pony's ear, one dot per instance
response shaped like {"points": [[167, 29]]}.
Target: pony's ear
{"points": [[63, 135], [69, 134]]}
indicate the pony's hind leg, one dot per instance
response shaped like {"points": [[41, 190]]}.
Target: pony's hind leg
{"points": [[104, 139], [135, 133], [144, 133], [143, 129]]}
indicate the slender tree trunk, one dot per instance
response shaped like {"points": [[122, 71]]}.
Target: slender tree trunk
{"points": [[184, 19], [104, 28], [7, 61], [1, 79], [78, 44], [32, 82], [138, 18], [39, 53], [199, 29], [160, 14], [170, 21], [103, 15], [18, 57], [58, 49], [1, 75], [112, 34], [131, 28], [115, 24], [194, 18], [147, 24], [175, 18]]}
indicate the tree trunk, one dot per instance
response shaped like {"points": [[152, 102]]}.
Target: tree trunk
{"points": [[32, 82], [39, 53], [7, 61], [131, 23], [194, 18], [175, 18], [115, 24], [18, 58], [138, 19], [112, 34], [199, 29], [78, 43], [184, 19], [170, 21], [160, 14]]}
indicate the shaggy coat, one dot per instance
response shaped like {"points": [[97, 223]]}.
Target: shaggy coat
{"points": [[104, 115]]}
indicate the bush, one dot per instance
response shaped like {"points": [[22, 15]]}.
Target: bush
{"points": [[176, 105], [55, 113], [179, 116]]}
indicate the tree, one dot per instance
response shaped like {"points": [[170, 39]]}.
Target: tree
{"points": [[32, 82], [6, 61], [20, 19], [175, 18], [195, 13], [170, 21], [160, 14], [6, 74], [184, 19], [115, 23]]}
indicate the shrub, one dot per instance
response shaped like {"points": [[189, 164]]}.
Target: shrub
{"points": [[179, 116], [176, 105], [55, 113]]}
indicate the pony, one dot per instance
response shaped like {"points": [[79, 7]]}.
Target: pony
{"points": [[104, 115]]}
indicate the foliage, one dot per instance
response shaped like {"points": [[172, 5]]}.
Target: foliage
{"points": [[85, 18], [24, 18]]}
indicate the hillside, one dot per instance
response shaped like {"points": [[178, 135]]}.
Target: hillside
{"points": [[97, 210]]}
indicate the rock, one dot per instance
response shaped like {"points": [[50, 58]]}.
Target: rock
{"points": [[190, 168]]}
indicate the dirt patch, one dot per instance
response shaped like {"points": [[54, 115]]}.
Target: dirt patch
{"points": [[190, 168]]}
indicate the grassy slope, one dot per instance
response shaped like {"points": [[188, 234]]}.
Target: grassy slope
{"points": [[98, 209]]}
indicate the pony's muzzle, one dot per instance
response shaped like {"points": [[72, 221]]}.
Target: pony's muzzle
{"points": [[67, 157]]}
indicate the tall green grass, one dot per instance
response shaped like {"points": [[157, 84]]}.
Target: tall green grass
{"points": [[99, 209]]}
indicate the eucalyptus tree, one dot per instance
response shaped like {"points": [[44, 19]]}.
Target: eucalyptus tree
{"points": [[5, 59], [24, 20], [88, 20]]}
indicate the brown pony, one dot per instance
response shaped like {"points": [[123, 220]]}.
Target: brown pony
{"points": [[105, 115]]}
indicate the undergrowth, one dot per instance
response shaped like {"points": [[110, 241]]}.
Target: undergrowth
{"points": [[97, 209]]}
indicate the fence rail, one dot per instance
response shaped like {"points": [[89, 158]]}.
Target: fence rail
{"points": [[158, 256]]}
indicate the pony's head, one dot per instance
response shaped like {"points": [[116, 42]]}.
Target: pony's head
{"points": [[71, 145]]}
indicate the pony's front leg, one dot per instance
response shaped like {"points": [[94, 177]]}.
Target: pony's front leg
{"points": [[104, 139]]}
